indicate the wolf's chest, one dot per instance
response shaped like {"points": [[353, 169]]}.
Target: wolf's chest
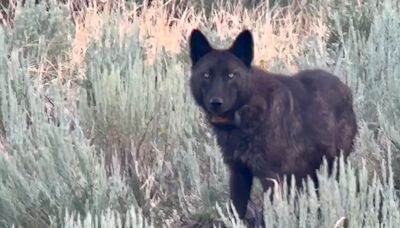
{"points": [[241, 146], [248, 139]]}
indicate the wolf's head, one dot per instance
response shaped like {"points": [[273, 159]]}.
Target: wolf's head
{"points": [[220, 80]]}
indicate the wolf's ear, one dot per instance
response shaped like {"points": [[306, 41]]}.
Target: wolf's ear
{"points": [[242, 47], [199, 46]]}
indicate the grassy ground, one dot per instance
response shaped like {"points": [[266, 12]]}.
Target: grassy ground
{"points": [[98, 127]]}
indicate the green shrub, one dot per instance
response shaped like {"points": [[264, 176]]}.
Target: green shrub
{"points": [[128, 142]]}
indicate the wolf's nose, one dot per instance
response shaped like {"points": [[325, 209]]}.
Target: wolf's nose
{"points": [[216, 102]]}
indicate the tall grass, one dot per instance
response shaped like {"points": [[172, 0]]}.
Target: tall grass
{"points": [[99, 129]]}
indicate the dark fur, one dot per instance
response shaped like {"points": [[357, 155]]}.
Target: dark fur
{"points": [[279, 125]]}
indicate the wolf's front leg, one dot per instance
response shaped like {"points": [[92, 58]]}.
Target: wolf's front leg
{"points": [[241, 181]]}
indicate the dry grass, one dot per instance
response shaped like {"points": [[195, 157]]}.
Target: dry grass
{"points": [[277, 32]]}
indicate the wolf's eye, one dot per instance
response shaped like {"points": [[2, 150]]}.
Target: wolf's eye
{"points": [[231, 75], [206, 75]]}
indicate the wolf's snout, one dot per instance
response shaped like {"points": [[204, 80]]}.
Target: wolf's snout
{"points": [[216, 103]]}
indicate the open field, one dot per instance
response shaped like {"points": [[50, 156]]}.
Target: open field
{"points": [[98, 127]]}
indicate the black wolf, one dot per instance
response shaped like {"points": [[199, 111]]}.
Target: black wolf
{"points": [[269, 125]]}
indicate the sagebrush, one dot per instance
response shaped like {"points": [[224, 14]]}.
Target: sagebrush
{"points": [[98, 125]]}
